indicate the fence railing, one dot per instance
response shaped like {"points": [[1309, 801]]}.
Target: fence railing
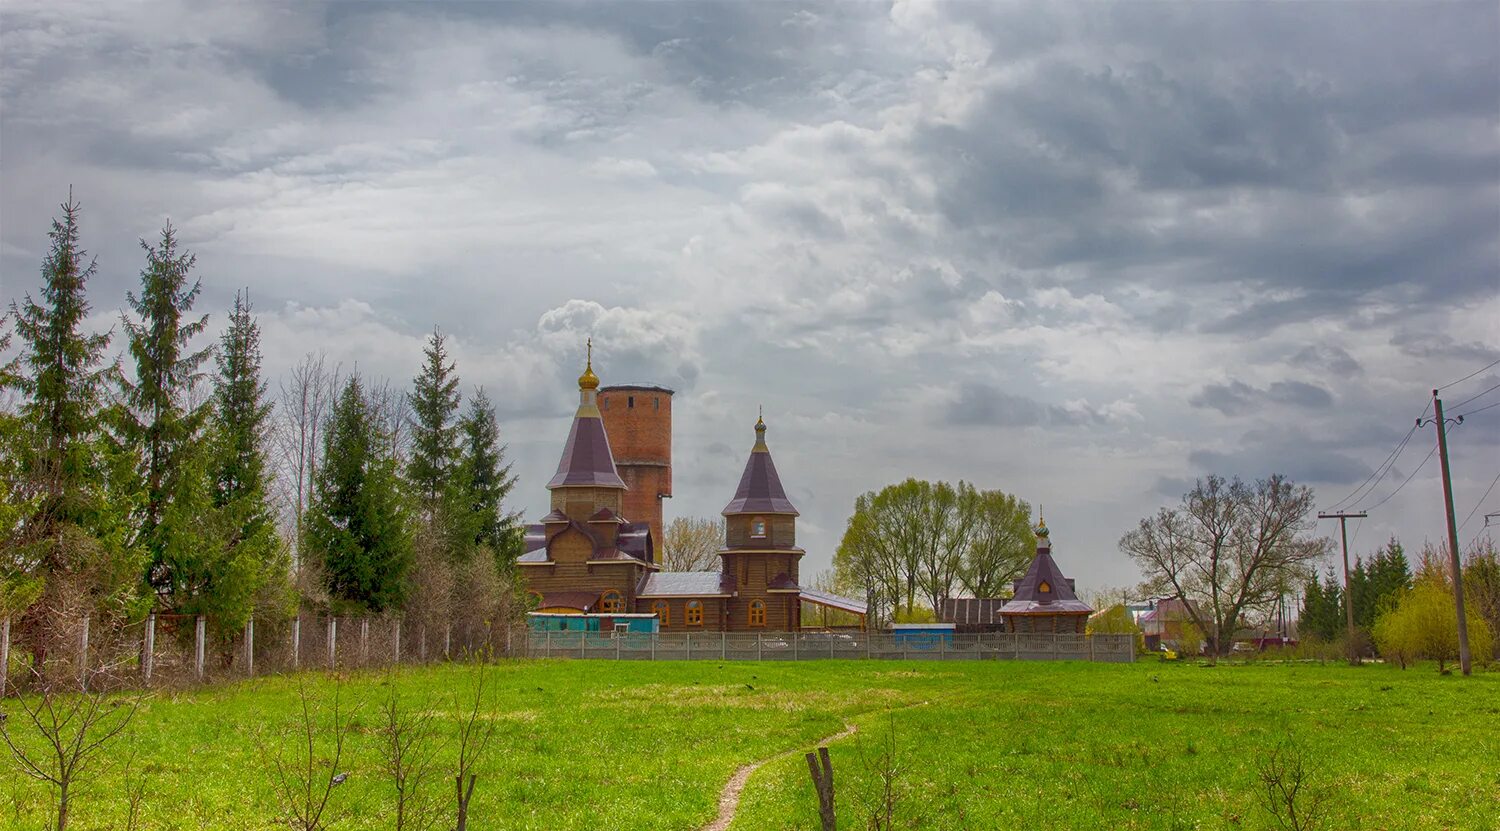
{"points": [[182, 650], [807, 646]]}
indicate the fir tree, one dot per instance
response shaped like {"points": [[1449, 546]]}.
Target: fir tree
{"points": [[1322, 609], [159, 422], [357, 524], [434, 424], [486, 480], [67, 534], [238, 429]]}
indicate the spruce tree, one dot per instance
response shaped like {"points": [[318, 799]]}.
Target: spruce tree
{"points": [[159, 421], [434, 428], [238, 429], [357, 524], [487, 480], [69, 534]]}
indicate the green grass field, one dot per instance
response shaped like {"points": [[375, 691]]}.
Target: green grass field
{"points": [[605, 745]]}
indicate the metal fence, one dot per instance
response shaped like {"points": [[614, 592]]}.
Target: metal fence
{"points": [[808, 646]]}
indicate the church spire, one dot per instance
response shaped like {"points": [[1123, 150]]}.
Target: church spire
{"points": [[586, 458], [760, 490]]}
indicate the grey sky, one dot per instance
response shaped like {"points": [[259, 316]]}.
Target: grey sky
{"points": [[1083, 253]]}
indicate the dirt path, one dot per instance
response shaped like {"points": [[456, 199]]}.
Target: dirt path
{"points": [[729, 798]]}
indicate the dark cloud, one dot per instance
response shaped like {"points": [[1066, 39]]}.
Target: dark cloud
{"points": [[1327, 358], [983, 404], [1238, 398]]}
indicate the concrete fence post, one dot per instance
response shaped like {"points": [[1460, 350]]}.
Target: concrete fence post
{"points": [[364, 640], [83, 653], [1090, 639], [758, 637], [200, 632], [4, 653], [296, 640], [397, 639], [447, 641], [548, 653], [148, 649], [250, 647], [723, 646], [333, 641]]}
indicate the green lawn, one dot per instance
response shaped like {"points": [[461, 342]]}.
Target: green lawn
{"points": [[605, 745]]}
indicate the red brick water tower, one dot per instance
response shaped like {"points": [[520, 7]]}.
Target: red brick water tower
{"points": [[638, 421]]}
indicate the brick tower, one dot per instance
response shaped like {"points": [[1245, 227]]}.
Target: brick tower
{"points": [[638, 419]]}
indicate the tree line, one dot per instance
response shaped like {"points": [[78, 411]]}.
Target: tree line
{"points": [[165, 477], [926, 541]]}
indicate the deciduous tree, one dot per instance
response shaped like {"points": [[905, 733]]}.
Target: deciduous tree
{"points": [[692, 544], [1229, 547]]}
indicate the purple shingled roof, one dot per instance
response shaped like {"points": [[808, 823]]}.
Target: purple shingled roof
{"points": [[760, 490], [1059, 597], [586, 459]]}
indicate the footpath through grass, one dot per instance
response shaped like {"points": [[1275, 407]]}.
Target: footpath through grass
{"points": [[606, 745]]}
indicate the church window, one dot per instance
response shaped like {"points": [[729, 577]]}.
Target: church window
{"points": [[630, 402], [1044, 588], [757, 613], [663, 612], [694, 613], [656, 402], [758, 527], [611, 602]]}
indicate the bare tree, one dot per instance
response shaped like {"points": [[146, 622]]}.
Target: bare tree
{"points": [[473, 736], [882, 808], [306, 774], [306, 393], [1001, 546], [1287, 792], [692, 544], [65, 731], [1227, 549], [409, 747]]}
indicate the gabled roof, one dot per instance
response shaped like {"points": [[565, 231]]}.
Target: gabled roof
{"points": [[1044, 589], [783, 582], [760, 490], [586, 458], [685, 584]]}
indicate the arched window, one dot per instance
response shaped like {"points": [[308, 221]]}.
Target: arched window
{"points": [[663, 612], [758, 527], [611, 602], [757, 613], [693, 615]]}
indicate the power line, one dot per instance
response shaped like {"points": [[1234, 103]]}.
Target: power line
{"points": [[1470, 375], [1479, 410], [1479, 503], [1419, 467], [1476, 395]]}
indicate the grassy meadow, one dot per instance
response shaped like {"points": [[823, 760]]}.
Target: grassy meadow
{"points": [[606, 745]]}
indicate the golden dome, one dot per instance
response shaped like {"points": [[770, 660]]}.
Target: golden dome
{"points": [[588, 380]]}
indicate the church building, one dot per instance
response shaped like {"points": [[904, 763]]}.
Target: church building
{"points": [[1044, 600], [595, 552]]}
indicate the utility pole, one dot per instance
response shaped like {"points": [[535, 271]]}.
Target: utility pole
{"points": [[1343, 518], [1465, 662]]}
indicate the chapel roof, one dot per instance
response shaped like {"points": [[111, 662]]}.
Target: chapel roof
{"points": [[760, 490], [586, 458], [1044, 589]]}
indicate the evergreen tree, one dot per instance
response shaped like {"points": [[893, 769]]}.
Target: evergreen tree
{"points": [[434, 429], [1389, 575], [69, 535], [239, 425], [487, 480], [1322, 609], [357, 524], [160, 422]]}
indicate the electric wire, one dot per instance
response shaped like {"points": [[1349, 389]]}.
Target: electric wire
{"points": [[1476, 395], [1378, 473], [1478, 504], [1478, 410], [1418, 469], [1470, 375]]}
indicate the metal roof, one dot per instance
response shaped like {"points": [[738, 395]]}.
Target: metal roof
{"points": [[833, 601], [1044, 589], [586, 458], [683, 584], [760, 490]]}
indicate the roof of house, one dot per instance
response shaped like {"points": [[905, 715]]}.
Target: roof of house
{"points": [[1044, 589], [980, 610], [685, 584], [1172, 608], [636, 387], [760, 490], [633, 542]]}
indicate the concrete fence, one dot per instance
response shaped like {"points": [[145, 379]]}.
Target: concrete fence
{"points": [[808, 646]]}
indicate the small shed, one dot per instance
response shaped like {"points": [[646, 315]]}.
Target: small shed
{"points": [[922, 635], [609, 622]]}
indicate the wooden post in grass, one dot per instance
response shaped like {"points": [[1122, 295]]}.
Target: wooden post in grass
{"points": [[296, 639], [148, 650], [823, 781], [199, 631], [250, 647], [4, 653]]}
